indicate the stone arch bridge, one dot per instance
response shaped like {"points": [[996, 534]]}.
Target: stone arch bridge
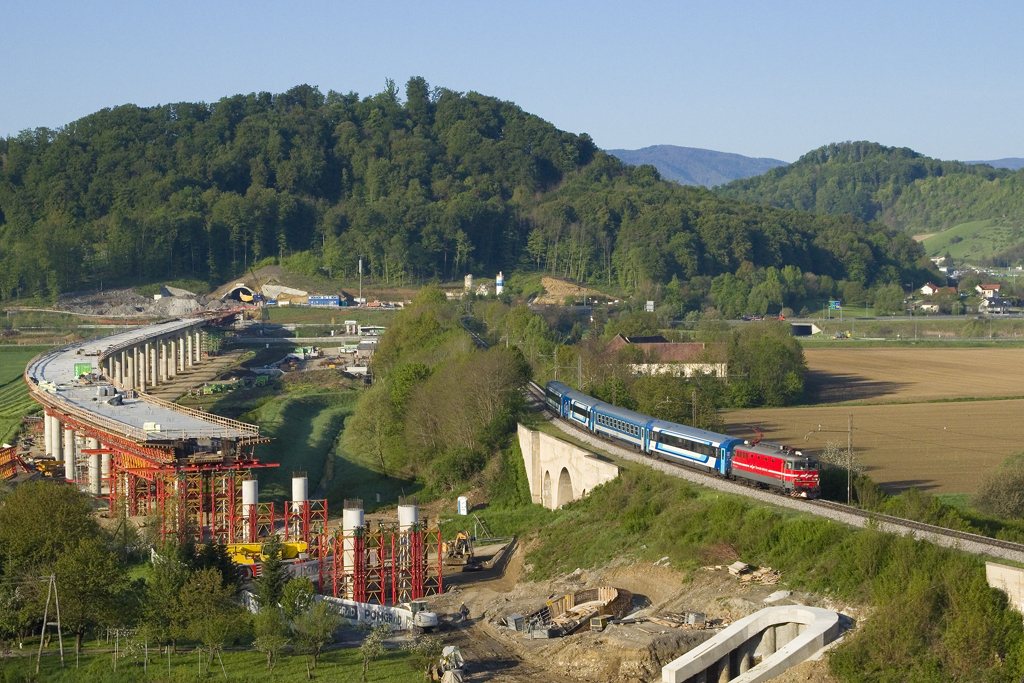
{"points": [[560, 472]]}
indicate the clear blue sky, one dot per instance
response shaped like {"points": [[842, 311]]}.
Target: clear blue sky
{"points": [[772, 79]]}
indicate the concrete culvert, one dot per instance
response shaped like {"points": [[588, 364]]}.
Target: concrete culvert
{"points": [[240, 292]]}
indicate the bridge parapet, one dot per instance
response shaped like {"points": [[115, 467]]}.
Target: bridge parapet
{"points": [[558, 471]]}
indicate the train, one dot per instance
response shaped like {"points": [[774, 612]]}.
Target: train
{"points": [[750, 462]]}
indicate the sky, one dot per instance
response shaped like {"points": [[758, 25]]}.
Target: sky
{"points": [[763, 79]]}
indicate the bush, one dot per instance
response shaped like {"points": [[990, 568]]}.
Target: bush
{"points": [[1002, 492]]}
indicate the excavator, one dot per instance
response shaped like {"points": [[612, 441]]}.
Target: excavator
{"points": [[459, 552]]}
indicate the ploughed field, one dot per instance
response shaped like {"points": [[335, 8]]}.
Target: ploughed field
{"points": [[877, 375], [906, 439]]}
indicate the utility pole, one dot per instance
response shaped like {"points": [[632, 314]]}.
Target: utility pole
{"points": [[360, 302], [849, 460], [51, 590], [849, 453]]}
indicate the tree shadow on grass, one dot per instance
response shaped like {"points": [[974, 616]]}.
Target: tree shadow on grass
{"points": [[303, 439]]}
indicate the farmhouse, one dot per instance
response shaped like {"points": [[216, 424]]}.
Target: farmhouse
{"points": [[683, 359], [988, 291], [994, 305], [929, 289]]}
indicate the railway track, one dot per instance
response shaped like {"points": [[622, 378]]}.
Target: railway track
{"points": [[952, 538]]}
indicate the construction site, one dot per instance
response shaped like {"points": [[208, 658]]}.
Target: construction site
{"points": [[109, 429]]}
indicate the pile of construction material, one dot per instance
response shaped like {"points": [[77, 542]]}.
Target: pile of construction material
{"points": [[763, 576]]}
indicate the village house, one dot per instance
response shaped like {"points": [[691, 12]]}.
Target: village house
{"points": [[988, 291], [994, 305], [680, 359]]}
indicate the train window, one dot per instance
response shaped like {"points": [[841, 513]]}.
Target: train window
{"points": [[581, 411], [553, 398]]}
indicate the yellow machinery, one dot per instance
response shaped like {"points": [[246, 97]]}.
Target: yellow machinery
{"points": [[459, 551], [252, 553]]}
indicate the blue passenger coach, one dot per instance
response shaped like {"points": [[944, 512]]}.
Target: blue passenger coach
{"points": [[689, 445], [619, 423], [573, 405]]}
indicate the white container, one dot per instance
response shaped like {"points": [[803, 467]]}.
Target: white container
{"points": [[463, 505]]}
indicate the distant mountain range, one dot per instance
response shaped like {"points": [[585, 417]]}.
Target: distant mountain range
{"points": [[694, 166], [1012, 163]]}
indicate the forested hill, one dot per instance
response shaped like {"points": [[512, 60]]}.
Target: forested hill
{"points": [[905, 189], [438, 185], [695, 166]]}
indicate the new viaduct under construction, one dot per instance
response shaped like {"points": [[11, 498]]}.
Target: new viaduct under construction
{"points": [[193, 474]]}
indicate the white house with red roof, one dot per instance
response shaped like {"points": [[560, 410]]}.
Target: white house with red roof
{"points": [[988, 291]]}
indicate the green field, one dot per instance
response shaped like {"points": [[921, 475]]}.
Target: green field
{"points": [[305, 427], [14, 400], [343, 664], [976, 240]]}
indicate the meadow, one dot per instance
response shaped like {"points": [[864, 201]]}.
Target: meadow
{"points": [[14, 399]]}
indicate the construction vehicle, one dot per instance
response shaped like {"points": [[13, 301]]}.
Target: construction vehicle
{"points": [[449, 666], [422, 618], [459, 552]]}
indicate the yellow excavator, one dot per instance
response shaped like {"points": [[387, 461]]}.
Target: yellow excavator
{"points": [[459, 552]]}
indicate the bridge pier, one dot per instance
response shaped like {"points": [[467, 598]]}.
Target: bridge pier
{"points": [[188, 337], [172, 359], [69, 454], [559, 472]]}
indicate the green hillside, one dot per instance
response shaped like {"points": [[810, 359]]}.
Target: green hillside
{"points": [[899, 186], [434, 186], [977, 242]]}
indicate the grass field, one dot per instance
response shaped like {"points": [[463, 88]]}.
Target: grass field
{"points": [[14, 400], [975, 240], [305, 427], [344, 664], [924, 429]]}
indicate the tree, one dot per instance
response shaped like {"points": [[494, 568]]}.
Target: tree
{"points": [[314, 629], [164, 616], [214, 617], [270, 583], [90, 580], [271, 633], [1002, 491], [297, 597], [426, 653], [889, 300], [40, 522], [373, 646]]}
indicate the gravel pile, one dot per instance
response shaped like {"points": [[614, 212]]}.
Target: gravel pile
{"points": [[128, 303]]}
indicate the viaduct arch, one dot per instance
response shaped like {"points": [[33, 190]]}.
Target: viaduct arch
{"points": [[558, 471]]}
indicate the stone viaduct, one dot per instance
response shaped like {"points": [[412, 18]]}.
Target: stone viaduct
{"points": [[560, 472]]}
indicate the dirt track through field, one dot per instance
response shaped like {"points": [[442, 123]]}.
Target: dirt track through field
{"points": [[945, 447]]}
